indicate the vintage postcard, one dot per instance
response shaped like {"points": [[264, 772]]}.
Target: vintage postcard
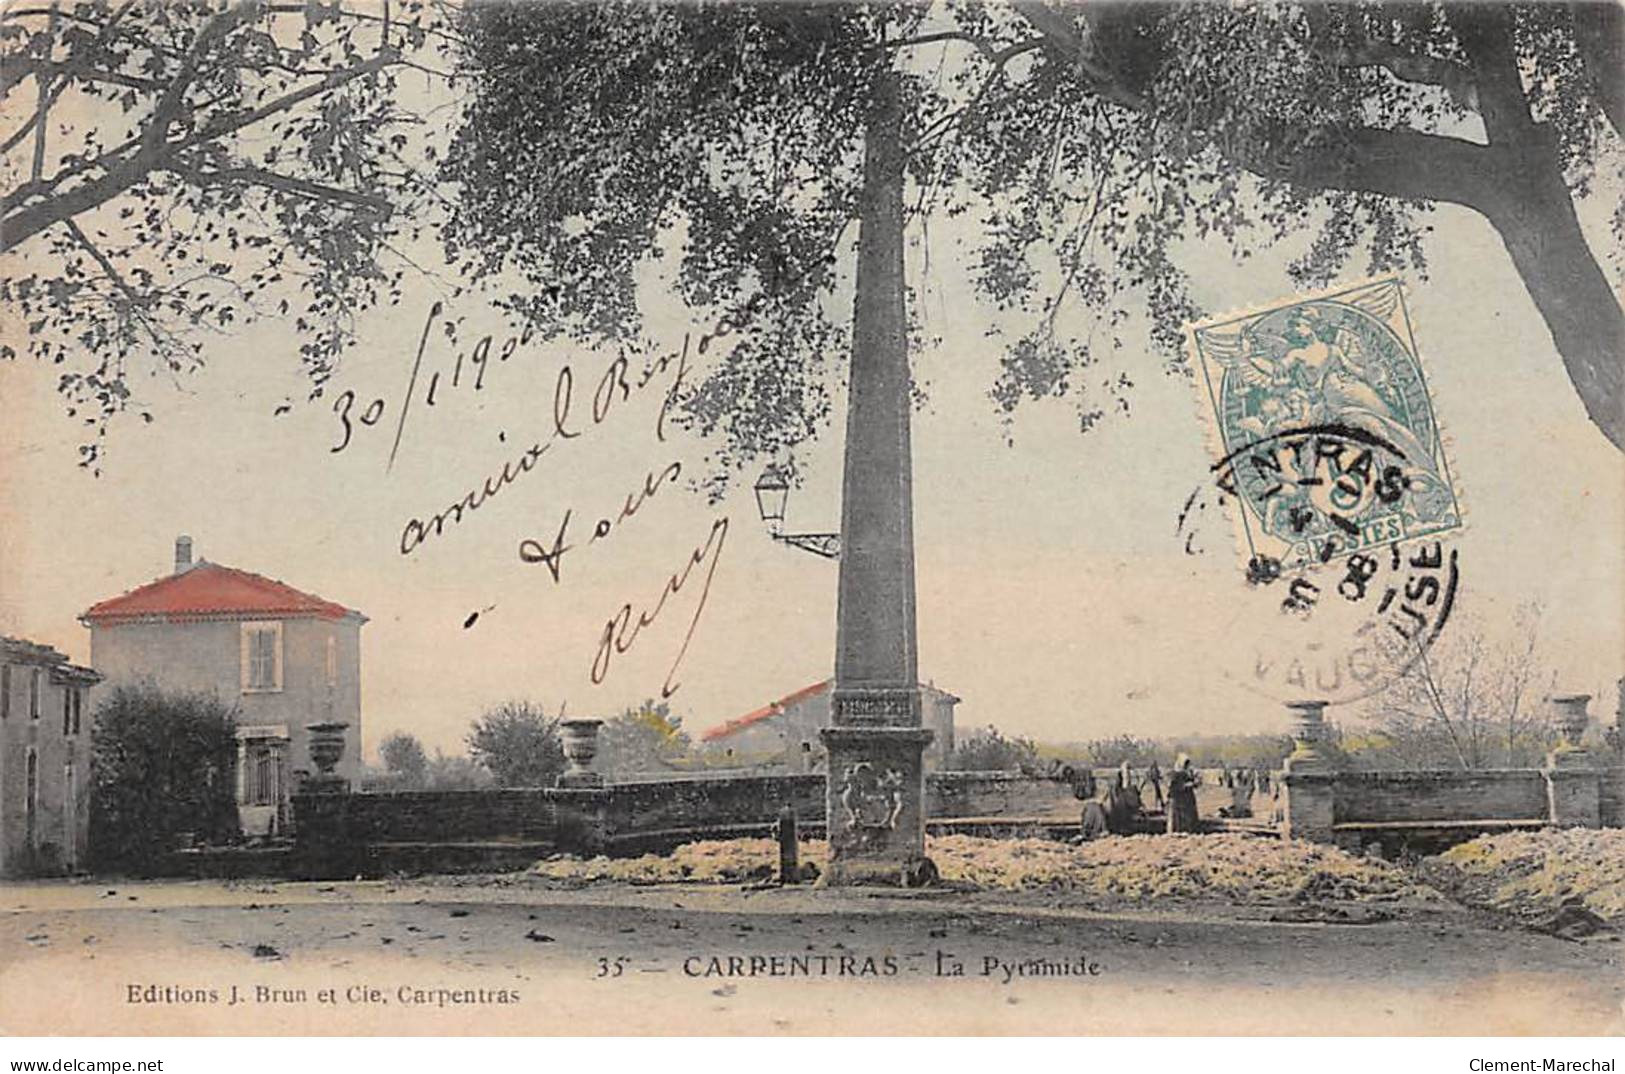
{"points": [[948, 518]]}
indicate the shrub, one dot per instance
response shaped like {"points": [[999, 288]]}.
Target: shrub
{"points": [[518, 745], [163, 763]]}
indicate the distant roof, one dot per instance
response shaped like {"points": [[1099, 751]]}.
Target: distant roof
{"points": [[772, 708], [34, 653], [776, 708], [210, 591], [31, 650]]}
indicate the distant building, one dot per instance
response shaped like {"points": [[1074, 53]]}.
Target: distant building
{"points": [[787, 729], [283, 658], [45, 737]]}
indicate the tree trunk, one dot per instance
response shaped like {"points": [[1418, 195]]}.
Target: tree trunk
{"points": [[1532, 208], [1538, 225]]}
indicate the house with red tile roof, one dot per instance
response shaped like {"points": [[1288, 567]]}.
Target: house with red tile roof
{"points": [[786, 731], [281, 657]]}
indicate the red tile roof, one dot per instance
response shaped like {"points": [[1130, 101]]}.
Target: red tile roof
{"points": [[208, 590], [772, 708], [776, 708]]}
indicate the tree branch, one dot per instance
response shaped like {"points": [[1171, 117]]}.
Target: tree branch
{"points": [[999, 60], [277, 181], [107, 160], [154, 151], [1454, 77], [47, 97], [1396, 163], [1375, 160], [1485, 32], [166, 345], [232, 124], [101, 259], [1436, 700], [1061, 33]]}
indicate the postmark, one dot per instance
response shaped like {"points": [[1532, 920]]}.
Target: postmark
{"points": [[1339, 632], [1345, 634], [1325, 433]]}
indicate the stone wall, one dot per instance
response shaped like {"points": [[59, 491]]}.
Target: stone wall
{"points": [[654, 814], [340, 833], [998, 794], [1486, 794], [1611, 793], [1430, 810], [421, 816]]}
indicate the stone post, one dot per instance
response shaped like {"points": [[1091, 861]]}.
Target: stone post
{"points": [[1308, 777], [876, 785], [328, 845], [785, 831], [1572, 776], [580, 741]]}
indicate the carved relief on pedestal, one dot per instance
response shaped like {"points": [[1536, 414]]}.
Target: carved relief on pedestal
{"points": [[872, 799]]}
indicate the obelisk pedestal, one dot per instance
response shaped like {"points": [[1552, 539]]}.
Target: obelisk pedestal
{"points": [[875, 801]]}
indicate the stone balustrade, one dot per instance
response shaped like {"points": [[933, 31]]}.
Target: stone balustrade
{"points": [[1323, 802]]}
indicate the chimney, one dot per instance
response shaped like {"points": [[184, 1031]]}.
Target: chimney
{"points": [[183, 554]]}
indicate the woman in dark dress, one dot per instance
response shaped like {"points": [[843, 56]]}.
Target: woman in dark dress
{"points": [[1182, 797]]}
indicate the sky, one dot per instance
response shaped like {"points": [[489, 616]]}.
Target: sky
{"points": [[1057, 596]]}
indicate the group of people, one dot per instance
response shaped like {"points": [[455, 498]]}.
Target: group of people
{"points": [[1242, 783], [1114, 812]]}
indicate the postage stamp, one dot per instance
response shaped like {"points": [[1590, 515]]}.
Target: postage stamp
{"points": [[1325, 431]]}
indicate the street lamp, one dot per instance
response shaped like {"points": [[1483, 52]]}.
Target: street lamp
{"points": [[772, 495], [772, 490]]}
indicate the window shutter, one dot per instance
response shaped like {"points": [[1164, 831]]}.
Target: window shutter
{"points": [[275, 642], [247, 655]]}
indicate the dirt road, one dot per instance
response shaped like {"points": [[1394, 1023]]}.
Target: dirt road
{"points": [[510, 955]]}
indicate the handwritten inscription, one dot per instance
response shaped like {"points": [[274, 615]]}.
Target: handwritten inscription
{"points": [[551, 553], [615, 383], [623, 628], [578, 403]]}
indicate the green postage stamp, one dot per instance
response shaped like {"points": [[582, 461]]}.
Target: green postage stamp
{"points": [[1326, 434]]}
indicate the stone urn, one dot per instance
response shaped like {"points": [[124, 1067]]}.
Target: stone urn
{"points": [[1308, 729], [326, 745], [580, 741], [1572, 719]]}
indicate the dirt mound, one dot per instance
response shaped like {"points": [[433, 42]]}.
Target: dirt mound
{"points": [[1566, 881], [1232, 867]]}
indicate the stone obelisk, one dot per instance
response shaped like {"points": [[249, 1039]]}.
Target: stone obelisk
{"points": [[876, 790]]}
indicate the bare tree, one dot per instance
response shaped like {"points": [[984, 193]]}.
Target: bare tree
{"points": [[1469, 702]]}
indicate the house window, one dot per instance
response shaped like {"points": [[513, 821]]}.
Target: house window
{"points": [[78, 707], [332, 661], [31, 790], [262, 782], [262, 657], [5, 691], [33, 693], [67, 711], [70, 816]]}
